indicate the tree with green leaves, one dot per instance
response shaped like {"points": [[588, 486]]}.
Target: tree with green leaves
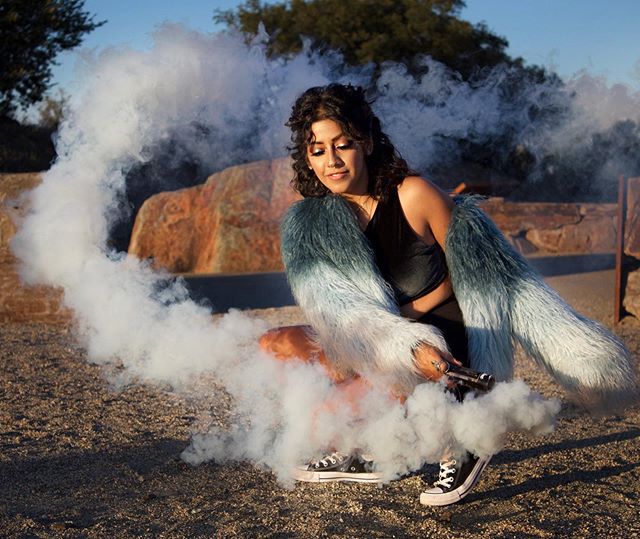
{"points": [[32, 34], [374, 31]]}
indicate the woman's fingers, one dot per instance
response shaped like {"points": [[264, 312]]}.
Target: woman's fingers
{"points": [[429, 362], [455, 361], [433, 363]]}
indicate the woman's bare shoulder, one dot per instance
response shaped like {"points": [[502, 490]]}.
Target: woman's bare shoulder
{"points": [[426, 207], [416, 190]]}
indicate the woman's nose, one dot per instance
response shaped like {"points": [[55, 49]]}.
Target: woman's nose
{"points": [[332, 159]]}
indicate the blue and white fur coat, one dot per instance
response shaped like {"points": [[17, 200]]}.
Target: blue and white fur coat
{"points": [[356, 320]]}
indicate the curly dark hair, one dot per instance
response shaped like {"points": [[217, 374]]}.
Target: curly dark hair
{"points": [[347, 105]]}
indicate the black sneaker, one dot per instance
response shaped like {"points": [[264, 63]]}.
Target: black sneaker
{"points": [[338, 467], [455, 481]]}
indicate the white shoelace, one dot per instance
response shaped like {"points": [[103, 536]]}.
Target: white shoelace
{"points": [[334, 458], [447, 473]]}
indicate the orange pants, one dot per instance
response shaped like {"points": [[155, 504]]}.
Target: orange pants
{"points": [[290, 343]]}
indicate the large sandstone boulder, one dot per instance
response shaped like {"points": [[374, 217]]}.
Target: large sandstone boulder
{"points": [[19, 303], [228, 224]]}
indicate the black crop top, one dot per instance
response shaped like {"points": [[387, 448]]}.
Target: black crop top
{"points": [[411, 267]]}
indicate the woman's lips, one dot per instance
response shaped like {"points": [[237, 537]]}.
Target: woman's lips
{"points": [[337, 175]]}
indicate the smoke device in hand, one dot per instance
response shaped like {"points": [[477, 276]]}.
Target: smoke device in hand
{"points": [[468, 377]]}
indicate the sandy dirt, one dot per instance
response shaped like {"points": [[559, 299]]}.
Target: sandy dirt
{"points": [[80, 459]]}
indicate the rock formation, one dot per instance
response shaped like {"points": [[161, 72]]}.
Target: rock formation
{"points": [[228, 224], [231, 224], [566, 228], [632, 223], [19, 303], [632, 248]]}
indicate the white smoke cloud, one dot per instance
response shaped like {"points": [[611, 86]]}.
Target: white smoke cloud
{"points": [[569, 123], [595, 107], [227, 102], [601, 104]]}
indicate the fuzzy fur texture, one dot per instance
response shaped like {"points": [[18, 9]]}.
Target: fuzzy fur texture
{"points": [[504, 300], [334, 278], [484, 272]]}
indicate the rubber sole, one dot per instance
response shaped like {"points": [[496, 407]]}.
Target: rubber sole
{"points": [[435, 497], [307, 476]]}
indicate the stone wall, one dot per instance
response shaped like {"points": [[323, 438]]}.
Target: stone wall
{"points": [[19, 303], [230, 223], [559, 228]]}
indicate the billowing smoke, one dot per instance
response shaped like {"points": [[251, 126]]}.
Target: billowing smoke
{"points": [[220, 102], [560, 140], [597, 140]]}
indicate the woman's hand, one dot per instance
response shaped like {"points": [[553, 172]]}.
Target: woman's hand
{"points": [[431, 362]]}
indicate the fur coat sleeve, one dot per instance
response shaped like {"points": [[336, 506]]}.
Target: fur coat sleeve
{"points": [[334, 278], [505, 302]]}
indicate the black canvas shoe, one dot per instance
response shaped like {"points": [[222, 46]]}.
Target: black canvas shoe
{"points": [[338, 467], [455, 481]]}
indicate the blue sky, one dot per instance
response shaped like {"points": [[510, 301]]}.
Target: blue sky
{"points": [[568, 35]]}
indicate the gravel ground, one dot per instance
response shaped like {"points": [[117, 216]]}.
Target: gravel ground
{"points": [[79, 459]]}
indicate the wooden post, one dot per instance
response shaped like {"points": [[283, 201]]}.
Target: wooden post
{"points": [[622, 215]]}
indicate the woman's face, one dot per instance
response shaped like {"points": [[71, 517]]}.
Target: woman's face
{"points": [[338, 162]]}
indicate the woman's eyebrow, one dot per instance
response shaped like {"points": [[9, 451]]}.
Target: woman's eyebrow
{"points": [[315, 142]]}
